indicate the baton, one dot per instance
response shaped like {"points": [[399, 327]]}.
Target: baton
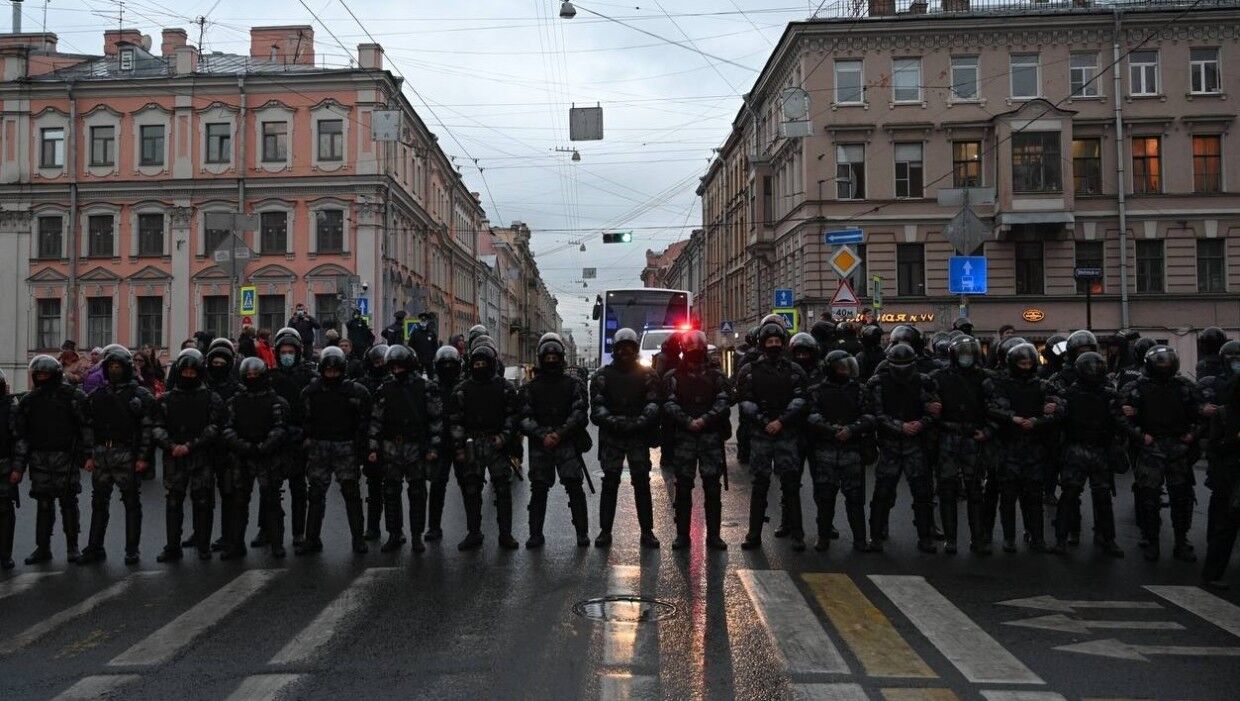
{"points": [[589, 479]]}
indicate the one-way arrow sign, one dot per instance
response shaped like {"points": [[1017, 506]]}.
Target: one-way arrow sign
{"points": [[1121, 650], [1063, 624], [1050, 603]]}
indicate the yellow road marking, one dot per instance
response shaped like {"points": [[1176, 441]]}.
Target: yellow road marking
{"points": [[870, 635], [920, 695]]}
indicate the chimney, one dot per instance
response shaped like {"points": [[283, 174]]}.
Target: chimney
{"points": [[17, 16], [184, 60], [918, 7], [370, 57], [112, 37], [172, 38], [955, 5], [287, 45], [882, 8]]}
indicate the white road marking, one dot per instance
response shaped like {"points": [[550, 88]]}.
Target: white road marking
{"points": [[264, 687], [178, 634], [22, 582], [1022, 696], [791, 624], [829, 692], [47, 625], [1121, 650], [1063, 624], [1223, 614], [623, 686], [331, 620], [1050, 603], [627, 643], [979, 657], [93, 688]]}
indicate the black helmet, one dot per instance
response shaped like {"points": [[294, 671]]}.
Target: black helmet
{"points": [[625, 335], [46, 364], [254, 373], [1210, 340], [551, 345], [872, 336], [964, 347], [1080, 342], [477, 330], [333, 357], [1005, 346], [773, 330], [848, 329], [376, 353], [803, 340], [190, 358], [838, 365], [221, 343], [1019, 352], [963, 324], [823, 331], [939, 343], [902, 360], [118, 354], [287, 337], [1141, 347], [447, 354], [550, 336], [907, 335], [486, 353], [1229, 350], [671, 345], [1162, 362], [1053, 341], [400, 357], [771, 319], [693, 344], [854, 368], [483, 340], [751, 337], [1091, 368]]}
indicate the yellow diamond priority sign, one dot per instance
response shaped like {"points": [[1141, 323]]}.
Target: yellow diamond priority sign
{"points": [[844, 260]]}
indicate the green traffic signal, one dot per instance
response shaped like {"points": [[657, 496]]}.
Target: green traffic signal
{"points": [[618, 237]]}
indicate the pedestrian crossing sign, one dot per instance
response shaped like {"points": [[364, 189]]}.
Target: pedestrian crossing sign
{"points": [[249, 300], [792, 319]]}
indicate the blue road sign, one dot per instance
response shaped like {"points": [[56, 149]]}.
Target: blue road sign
{"points": [[363, 305], [843, 236], [727, 327], [783, 297], [966, 275]]}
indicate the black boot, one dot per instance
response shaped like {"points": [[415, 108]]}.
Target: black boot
{"points": [[1031, 502], [979, 541], [393, 515], [923, 519], [683, 510], [274, 517], [856, 523], [71, 516], [606, 512], [1104, 523], [880, 512], [94, 551], [503, 519], [203, 520], [434, 510], [757, 514], [417, 516], [472, 500], [1183, 549], [538, 514], [712, 508], [824, 503], [790, 488], [949, 514], [300, 505], [8, 522], [133, 529], [313, 542], [174, 516], [374, 507], [237, 521], [353, 511], [45, 518], [581, 515], [645, 513]]}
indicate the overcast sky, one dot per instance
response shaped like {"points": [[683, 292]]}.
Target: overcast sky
{"points": [[500, 75]]}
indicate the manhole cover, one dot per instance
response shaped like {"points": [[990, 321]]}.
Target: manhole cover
{"points": [[628, 609]]}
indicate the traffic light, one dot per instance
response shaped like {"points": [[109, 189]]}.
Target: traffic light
{"points": [[618, 237]]}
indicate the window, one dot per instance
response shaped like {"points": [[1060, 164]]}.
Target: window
{"points": [[1025, 79], [966, 164], [1203, 71], [152, 145], [329, 231], [1030, 279], [1146, 165], [911, 269], [50, 237], [850, 171], [1035, 162], [849, 89], [1083, 74], [99, 236], [1143, 72], [1087, 166], [1207, 164], [52, 150], [126, 62], [331, 139], [215, 315], [275, 141], [908, 170], [150, 234], [964, 77], [151, 321], [102, 146], [219, 143], [768, 199], [48, 332], [906, 77], [327, 311], [1088, 255], [99, 322], [213, 238], [271, 314], [1150, 265], [1211, 266], [274, 227]]}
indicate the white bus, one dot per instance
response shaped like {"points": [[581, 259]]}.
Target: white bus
{"points": [[645, 310]]}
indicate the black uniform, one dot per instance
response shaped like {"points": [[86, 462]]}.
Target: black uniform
{"points": [[192, 418], [371, 381], [1093, 433], [966, 454], [8, 491], [697, 392], [624, 404], [255, 432], [1223, 479], [289, 382], [483, 423], [894, 401], [406, 427], [556, 402], [1021, 471], [773, 389], [337, 415], [447, 375], [837, 463], [665, 363], [224, 384]]}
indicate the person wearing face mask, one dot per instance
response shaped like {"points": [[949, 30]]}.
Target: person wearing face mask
{"points": [[305, 325], [772, 394], [221, 379], [448, 374], [121, 452], [483, 422], [255, 432], [8, 490], [1092, 426], [185, 424], [965, 436], [554, 414], [806, 353], [900, 398], [698, 405], [373, 378], [1017, 404], [337, 415], [1223, 479], [1209, 342], [1164, 410], [291, 377], [837, 427], [871, 353], [405, 433], [624, 404], [1125, 378]]}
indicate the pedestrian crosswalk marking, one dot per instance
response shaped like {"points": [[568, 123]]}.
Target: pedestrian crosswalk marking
{"points": [[20, 640], [624, 642], [167, 642], [992, 695], [1221, 613], [917, 694], [92, 688], [330, 620], [829, 692], [791, 624], [264, 687], [22, 582], [623, 686], [979, 657], [867, 632]]}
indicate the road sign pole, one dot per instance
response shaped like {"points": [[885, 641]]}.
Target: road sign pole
{"points": [[1089, 304]]}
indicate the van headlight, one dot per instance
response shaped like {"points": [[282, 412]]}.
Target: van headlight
{"points": [[645, 360]]}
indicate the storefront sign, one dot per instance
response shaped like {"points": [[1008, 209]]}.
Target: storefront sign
{"points": [[1033, 315], [895, 318]]}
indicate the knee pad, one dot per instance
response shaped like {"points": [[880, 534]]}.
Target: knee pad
{"points": [[711, 488], [573, 488]]}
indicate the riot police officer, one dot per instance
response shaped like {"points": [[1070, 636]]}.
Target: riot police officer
{"points": [[221, 378], [751, 355], [337, 415], [186, 424], [406, 428], [8, 490], [291, 377], [255, 432], [965, 437], [666, 361], [624, 404], [554, 410], [772, 393], [698, 404], [447, 375], [826, 334], [1215, 388], [376, 373], [871, 353], [805, 351], [1223, 479], [1209, 342], [837, 427]]}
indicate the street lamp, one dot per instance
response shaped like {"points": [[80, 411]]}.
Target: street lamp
{"points": [[567, 11]]}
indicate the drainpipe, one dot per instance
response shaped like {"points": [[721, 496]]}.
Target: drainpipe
{"points": [[1116, 88], [241, 142], [75, 232]]}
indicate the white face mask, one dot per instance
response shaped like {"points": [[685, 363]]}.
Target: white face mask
{"points": [[965, 361]]}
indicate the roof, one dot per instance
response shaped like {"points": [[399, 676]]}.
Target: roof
{"points": [[147, 65]]}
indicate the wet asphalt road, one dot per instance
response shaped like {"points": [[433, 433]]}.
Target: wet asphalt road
{"points": [[494, 624]]}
